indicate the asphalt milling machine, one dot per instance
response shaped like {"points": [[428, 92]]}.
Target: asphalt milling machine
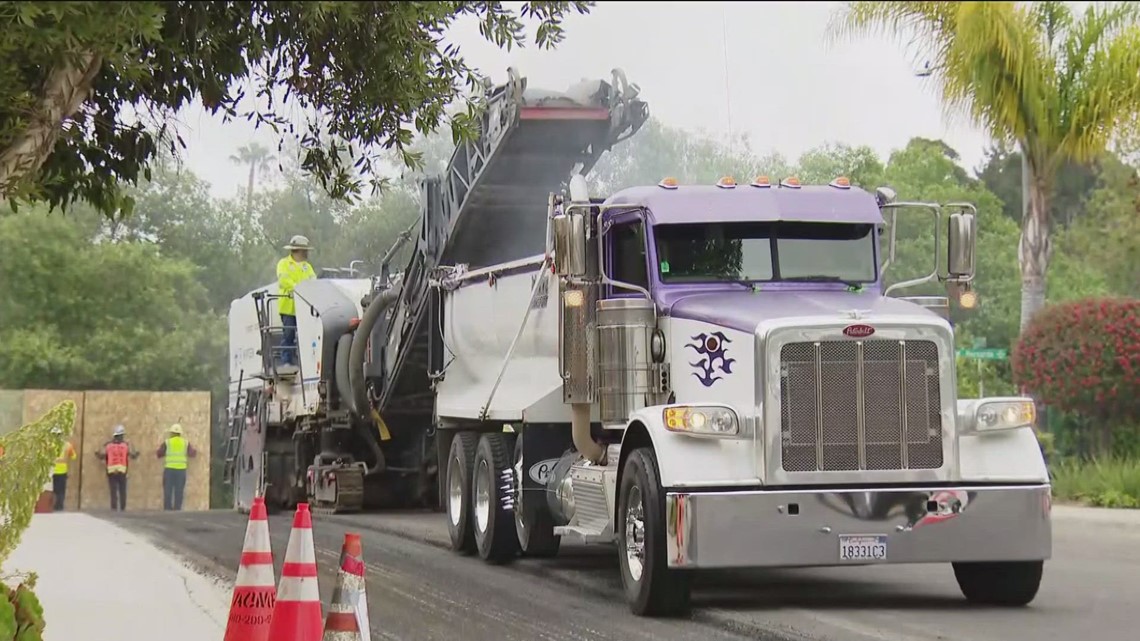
{"points": [[353, 426]]}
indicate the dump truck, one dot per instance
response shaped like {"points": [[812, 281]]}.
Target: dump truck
{"points": [[701, 376]]}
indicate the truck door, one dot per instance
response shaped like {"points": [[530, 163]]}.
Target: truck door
{"points": [[626, 259]]}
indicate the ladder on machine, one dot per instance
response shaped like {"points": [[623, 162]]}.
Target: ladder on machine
{"points": [[271, 338], [237, 422]]}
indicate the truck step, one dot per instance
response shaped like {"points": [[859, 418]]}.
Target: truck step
{"points": [[584, 536]]}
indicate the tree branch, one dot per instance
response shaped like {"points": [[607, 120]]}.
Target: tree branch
{"points": [[64, 92]]}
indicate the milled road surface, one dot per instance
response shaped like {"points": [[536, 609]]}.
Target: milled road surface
{"points": [[419, 591]]}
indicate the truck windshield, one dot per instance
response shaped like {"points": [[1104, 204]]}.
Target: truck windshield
{"points": [[765, 251]]}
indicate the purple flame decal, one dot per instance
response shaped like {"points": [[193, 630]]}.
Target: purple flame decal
{"points": [[712, 348]]}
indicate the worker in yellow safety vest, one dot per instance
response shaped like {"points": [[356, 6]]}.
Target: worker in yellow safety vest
{"points": [[59, 473], [177, 451], [292, 271]]}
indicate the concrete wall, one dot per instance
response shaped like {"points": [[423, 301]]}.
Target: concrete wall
{"points": [[147, 416]]}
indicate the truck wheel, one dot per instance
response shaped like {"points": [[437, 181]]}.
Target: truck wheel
{"points": [[1007, 583], [492, 497], [460, 462], [651, 587], [536, 530]]}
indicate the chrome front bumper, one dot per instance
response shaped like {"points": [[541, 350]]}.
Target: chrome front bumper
{"points": [[803, 528]]}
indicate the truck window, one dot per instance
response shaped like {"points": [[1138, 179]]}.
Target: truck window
{"points": [[627, 258], [765, 251]]}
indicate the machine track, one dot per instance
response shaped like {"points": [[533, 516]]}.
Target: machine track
{"points": [[349, 494]]}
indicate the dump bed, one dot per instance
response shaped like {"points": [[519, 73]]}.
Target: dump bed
{"points": [[490, 208]]}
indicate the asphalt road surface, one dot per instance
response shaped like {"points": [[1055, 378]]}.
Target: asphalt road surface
{"points": [[419, 591]]}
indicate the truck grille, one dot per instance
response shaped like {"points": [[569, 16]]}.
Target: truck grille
{"points": [[860, 405]]}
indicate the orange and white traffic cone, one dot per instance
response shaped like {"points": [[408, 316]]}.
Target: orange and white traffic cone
{"points": [[348, 613], [297, 613], [254, 592]]}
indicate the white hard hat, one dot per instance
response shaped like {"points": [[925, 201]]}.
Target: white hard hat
{"points": [[120, 430], [298, 242], [176, 429]]}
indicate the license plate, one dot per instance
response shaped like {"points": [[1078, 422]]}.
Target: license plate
{"points": [[861, 547]]}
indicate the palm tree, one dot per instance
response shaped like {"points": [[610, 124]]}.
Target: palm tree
{"points": [[1059, 86], [258, 158]]}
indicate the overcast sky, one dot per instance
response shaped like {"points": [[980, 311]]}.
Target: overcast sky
{"points": [[785, 87]]}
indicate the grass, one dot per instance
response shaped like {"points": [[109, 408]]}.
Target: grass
{"points": [[1113, 482]]}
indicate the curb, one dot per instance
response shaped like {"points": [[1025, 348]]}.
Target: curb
{"points": [[1101, 516]]}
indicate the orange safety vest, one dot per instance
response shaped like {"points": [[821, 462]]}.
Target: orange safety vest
{"points": [[117, 457]]}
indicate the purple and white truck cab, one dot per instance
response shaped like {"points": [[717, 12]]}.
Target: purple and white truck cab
{"points": [[765, 402]]}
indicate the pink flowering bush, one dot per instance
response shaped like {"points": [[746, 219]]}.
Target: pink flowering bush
{"points": [[1084, 357]]}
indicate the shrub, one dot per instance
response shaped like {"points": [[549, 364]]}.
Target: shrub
{"points": [[21, 615], [1084, 357], [26, 459]]}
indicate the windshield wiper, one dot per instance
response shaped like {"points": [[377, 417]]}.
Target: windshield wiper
{"points": [[823, 279]]}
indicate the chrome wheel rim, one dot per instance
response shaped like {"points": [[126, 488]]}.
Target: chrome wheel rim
{"points": [[454, 493], [483, 495], [635, 534]]}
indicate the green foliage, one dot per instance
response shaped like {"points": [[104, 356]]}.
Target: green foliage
{"points": [[1113, 482], [26, 459], [1057, 83], [975, 377], [1002, 174], [21, 615], [658, 151], [367, 74], [1084, 356], [1060, 86], [25, 465], [1048, 444], [1108, 230], [77, 309]]}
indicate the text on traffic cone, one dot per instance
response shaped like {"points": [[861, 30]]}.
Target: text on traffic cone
{"points": [[348, 613], [297, 612], [254, 593]]}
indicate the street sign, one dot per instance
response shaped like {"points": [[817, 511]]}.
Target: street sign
{"points": [[990, 354]]}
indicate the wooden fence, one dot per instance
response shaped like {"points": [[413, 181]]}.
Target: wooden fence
{"points": [[147, 416]]}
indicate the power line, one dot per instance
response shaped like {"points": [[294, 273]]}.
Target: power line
{"points": [[727, 93]]}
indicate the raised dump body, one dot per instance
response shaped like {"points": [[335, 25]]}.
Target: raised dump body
{"points": [[491, 208]]}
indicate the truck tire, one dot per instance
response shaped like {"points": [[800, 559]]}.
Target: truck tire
{"points": [[651, 587], [492, 498], [535, 530], [460, 462], [1004, 583]]}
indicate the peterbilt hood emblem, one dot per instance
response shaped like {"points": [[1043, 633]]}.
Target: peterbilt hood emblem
{"points": [[858, 330]]}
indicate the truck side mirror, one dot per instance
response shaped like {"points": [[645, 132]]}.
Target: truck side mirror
{"points": [[570, 243], [960, 243], [885, 196]]}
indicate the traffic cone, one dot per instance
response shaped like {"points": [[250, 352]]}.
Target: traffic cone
{"points": [[348, 613], [297, 613], [254, 592]]}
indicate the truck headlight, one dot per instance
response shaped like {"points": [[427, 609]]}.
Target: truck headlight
{"points": [[1004, 415], [702, 420]]}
